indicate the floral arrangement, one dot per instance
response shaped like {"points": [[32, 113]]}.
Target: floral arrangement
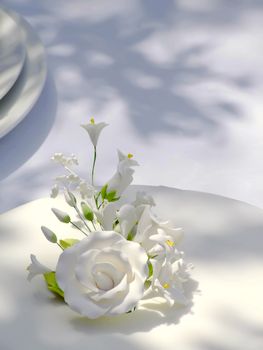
{"points": [[126, 255]]}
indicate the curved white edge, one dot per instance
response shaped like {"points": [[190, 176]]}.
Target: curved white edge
{"points": [[17, 104], [21, 55]]}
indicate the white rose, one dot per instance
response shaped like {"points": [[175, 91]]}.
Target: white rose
{"points": [[103, 274]]}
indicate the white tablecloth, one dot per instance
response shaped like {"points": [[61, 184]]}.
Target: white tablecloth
{"points": [[180, 82], [223, 239]]}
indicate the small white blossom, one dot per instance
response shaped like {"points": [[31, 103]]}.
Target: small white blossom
{"points": [[169, 274], [142, 198], [64, 160], [74, 178], [54, 191], [86, 190], [152, 231], [94, 130], [36, 268]]}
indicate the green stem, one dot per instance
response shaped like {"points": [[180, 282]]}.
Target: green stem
{"points": [[93, 165], [72, 223], [60, 246], [81, 217], [96, 198]]}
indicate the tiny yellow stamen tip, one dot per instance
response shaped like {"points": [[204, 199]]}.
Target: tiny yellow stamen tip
{"points": [[92, 121], [130, 155], [170, 243], [166, 285]]}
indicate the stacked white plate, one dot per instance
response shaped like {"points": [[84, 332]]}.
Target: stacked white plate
{"points": [[22, 69]]}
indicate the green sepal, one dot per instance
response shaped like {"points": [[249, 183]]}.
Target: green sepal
{"points": [[103, 191], [130, 236], [68, 242], [114, 199], [52, 285], [147, 284], [87, 212], [111, 195]]}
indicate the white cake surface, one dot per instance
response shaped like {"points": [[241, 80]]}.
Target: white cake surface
{"points": [[223, 239]]}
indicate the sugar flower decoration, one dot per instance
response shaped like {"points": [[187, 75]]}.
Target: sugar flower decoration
{"points": [[126, 253]]}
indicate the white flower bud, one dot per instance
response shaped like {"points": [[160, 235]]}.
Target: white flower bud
{"points": [[61, 215], [54, 191], [70, 198], [50, 235]]}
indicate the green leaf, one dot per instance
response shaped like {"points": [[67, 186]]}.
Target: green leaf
{"points": [[114, 199], [103, 191], [111, 195], [87, 212], [52, 285], [67, 243], [150, 267]]}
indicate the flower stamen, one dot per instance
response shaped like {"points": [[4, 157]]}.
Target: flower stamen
{"points": [[170, 243], [92, 121], [166, 285], [130, 155]]}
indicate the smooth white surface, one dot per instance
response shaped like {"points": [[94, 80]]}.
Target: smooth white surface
{"points": [[15, 105], [12, 52], [180, 82], [223, 238]]}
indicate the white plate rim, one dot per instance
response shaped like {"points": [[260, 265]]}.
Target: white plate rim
{"points": [[16, 104], [22, 55]]}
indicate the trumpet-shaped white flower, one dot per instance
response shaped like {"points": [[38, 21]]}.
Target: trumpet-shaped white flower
{"points": [[124, 174], [104, 274], [36, 268], [94, 130], [127, 217], [155, 234]]}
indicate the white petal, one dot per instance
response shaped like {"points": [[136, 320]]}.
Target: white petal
{"points": [[107, 216], [112, 293], [127, 217], [83, 269], [79, 301], [136, 291], [36, 268]]}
